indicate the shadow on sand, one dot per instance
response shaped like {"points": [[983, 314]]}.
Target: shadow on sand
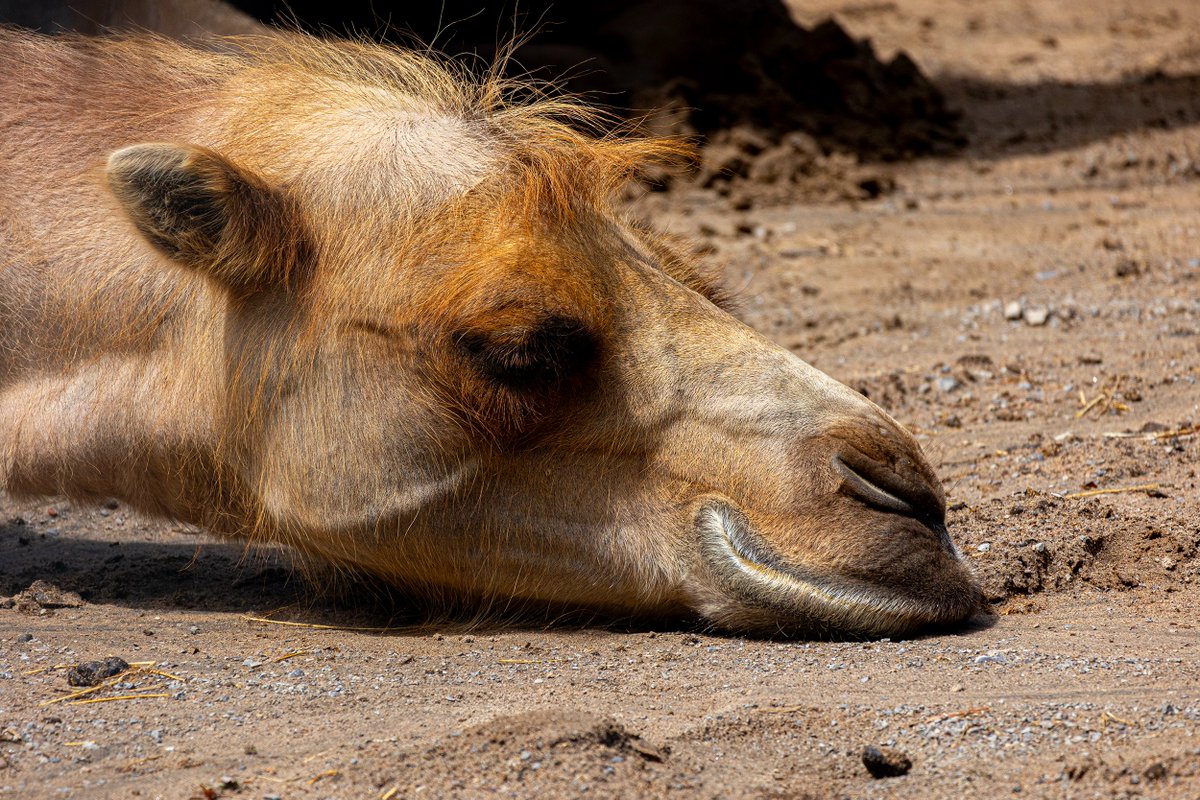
{"points": [[212, 577], [1002, 120]]}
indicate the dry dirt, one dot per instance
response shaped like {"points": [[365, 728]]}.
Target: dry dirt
{"points": [[1076, 204]]}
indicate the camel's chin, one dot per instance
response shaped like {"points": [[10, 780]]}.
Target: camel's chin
{"points": [[758, 589]]}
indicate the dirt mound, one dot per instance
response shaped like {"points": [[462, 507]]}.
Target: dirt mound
{"points": [[753, 66], [563, 753], [41, 598], [1051, 543], [753, 169]]}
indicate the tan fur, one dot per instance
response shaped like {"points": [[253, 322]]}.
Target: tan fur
{"points": [[356, 300]]}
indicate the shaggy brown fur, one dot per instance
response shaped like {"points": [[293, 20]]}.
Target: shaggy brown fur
{"points": [[354, 299]]}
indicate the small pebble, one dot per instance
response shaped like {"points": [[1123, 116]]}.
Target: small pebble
{"points": [[1036, 316], [1012, 310]]}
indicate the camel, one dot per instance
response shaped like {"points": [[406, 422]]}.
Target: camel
{"points": [[358, 301]]}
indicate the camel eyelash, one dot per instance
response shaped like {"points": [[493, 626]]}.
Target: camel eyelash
{"points": [[553, 350]]}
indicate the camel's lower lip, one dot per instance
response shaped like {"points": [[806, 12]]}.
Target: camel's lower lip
{"points": [[796, 596]]}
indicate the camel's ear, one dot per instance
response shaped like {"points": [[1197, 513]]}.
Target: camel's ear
{"points": [[207, 214]]}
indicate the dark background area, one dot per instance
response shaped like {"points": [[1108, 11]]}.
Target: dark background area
{"points": [[710, 64]]}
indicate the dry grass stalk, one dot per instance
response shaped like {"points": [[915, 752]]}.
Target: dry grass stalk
{"points": [[967, 712], [118, 697], [329, 773], [1105, 400], [1155, 436], [1145, 487], [317, 626], [135, 669]]}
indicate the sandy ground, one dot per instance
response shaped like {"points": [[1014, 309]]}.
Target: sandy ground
{"points": [[1074, 210]]}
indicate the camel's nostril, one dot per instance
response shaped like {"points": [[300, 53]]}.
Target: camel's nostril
{"points": [[885, 488]]}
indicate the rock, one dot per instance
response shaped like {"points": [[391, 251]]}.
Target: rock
{"points": [[1036, 316], [948, 384], [884, 762], [90, 673], [1012, 310]]}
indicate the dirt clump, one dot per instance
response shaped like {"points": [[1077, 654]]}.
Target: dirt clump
{"points": [[884, 762], [42, 597], [751, 168], [91, 673]]}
